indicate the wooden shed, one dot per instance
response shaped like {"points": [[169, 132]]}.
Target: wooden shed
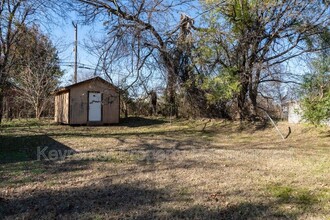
{"points": [[90, 102]]}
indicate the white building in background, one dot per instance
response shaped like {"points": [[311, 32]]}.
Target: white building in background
{"points": [[295, 112]]}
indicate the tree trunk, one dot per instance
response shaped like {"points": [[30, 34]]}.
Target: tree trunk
{"points": [[153, 102], [253, 93], [38, 110], [171, 100], [1, 105], [37, 113], [241, 105], [241, 99], [126, 110], [2, 85], [170, 90]]}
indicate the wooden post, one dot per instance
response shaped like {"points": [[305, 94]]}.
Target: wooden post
{"points": [[75, 25]]}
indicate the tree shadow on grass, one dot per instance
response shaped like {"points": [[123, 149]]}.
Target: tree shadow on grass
{"points": [[104, 198], [15, 149], [235, 212], [126, 201], [21, 174], [139, 200], [324, 134]]}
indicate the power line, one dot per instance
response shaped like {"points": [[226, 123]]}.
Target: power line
{"points": [[79, 65]]}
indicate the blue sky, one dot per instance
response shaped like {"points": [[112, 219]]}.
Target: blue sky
{"points": [[62, 36]]}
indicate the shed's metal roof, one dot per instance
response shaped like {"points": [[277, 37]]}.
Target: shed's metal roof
{"points": [[67, 88]]}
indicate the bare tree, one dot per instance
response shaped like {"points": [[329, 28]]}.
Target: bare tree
{"points": [[14, 14], [36, 74], [144, 30]]}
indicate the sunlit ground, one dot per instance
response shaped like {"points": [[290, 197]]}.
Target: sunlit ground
{"points": [[150, 168]]}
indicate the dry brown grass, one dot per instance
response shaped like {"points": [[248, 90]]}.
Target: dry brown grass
{"points": [[146, 169]]}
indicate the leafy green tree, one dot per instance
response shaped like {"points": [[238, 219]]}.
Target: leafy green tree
{"points": [[221, 87], [253, 36], [316, 92]]}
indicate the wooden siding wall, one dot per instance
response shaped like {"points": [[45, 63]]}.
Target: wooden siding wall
{"points": [[79, 102], [62, 108]]}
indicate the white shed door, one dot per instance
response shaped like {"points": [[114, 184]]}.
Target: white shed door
{"points": [[94, 113]]}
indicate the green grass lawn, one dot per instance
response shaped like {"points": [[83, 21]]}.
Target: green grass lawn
{"points": [[151, 168]]}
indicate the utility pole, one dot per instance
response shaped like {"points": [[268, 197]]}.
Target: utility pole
{"points": [[75, 25]]}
